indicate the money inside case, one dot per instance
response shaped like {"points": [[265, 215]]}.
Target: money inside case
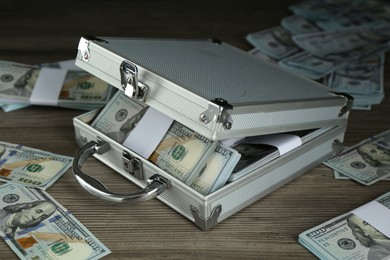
{"points": [[219, 93]]}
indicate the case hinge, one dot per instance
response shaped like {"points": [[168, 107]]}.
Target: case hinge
{"points": [[132, 165], [84, 49], [129, 81], [84, 46], [219, 114], [348, 105]]}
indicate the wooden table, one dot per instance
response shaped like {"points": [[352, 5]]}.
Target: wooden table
{"points": [[45, 31]]}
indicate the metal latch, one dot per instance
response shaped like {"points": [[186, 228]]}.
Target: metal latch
{"points": [[219, 114], [129, 81], [132, 165]]}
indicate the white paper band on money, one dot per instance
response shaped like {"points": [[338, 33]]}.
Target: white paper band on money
{"points": [[148, 133], [376, 215], [48, 86], [284, 142]]}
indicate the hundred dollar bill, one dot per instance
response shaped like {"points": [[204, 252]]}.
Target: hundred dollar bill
{"points": [[182, 152], [326, 43], [299, 25], [275, 42], [320, 10], [350, 236], [362, 76], [217, 170], [353, 19], [366, 162], [309, 65], [18, 81], [119, 117], [36, 226], [31, 167]]}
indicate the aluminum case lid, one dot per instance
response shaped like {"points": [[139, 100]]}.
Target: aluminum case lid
{"points": [[210, 86]]}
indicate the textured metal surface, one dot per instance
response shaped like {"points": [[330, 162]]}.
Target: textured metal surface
{"points": [[215, 70]]}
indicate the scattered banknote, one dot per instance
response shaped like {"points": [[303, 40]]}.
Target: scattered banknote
{"points": [[353, 19], [299, 25], [366, 162], [308, 65], [31, 167], [36, 226], [49, 85], [275, 42], [320, 10], [362, 78], [181, 151], [341, 43], [217, 170], [323, 37], [352, 235]]}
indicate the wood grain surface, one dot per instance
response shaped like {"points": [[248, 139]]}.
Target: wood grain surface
{"points": [[48, 31]]}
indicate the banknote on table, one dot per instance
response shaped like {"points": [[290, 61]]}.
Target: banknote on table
{"points": [[299, 25], [320, 10], [366, 162], [181, 152], [31, 167], [308, 65], [36, 226], [353, 19], [78, 89], [351, 235], [217, 170], [325, 43], [275, 42], [362, 79]]}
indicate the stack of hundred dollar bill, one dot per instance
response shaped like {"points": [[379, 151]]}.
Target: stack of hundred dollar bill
{"points": [[363, 233], [55, 84], [341, 44], [201, 163]]}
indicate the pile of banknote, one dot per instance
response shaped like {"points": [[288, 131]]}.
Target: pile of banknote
{"points": [[341, 44], [55, 84], [36, 226], [32, 223], [362, 233], [366, 162], [201, 163]]}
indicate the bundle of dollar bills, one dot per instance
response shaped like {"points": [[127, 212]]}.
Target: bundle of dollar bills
{"points": [[201, 163], [36, 226], [366, 162], [55, 84], [363, 233], [338, 43], [190, 157]]}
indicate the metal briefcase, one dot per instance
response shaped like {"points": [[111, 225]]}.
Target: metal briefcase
{"points": [[220, 92]]}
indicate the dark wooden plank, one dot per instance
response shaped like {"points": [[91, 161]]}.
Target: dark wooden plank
{"points": [[47, 31]]}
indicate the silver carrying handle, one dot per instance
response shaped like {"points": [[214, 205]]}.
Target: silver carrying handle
{"points": [[156, 184]]}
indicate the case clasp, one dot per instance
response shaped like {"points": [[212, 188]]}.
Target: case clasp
{"points": [[129, 81]]}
